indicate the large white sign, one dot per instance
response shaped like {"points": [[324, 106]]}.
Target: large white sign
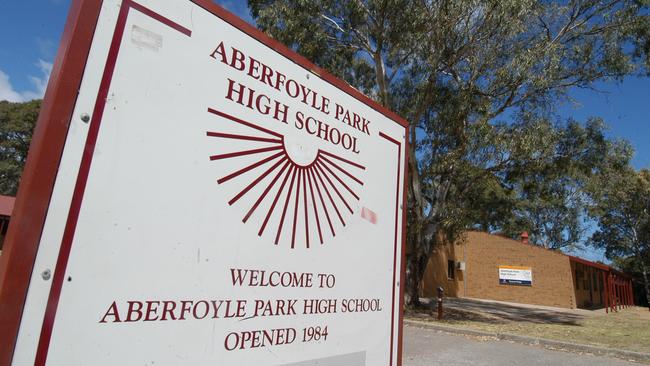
{"points": [[513, 275], [216, 204]]}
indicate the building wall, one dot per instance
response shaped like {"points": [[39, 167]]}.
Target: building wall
{"points": [[552, 277], [589, 291], [483, 253], [436, 272]]}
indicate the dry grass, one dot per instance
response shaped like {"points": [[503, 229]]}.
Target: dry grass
{"points": [[628, 329]]}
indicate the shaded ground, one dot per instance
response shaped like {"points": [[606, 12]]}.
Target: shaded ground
{"points": [[426, 347], [629, 329]]}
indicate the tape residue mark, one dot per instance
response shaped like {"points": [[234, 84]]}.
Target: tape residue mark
{"points": [[146, 39], [369, 215]]}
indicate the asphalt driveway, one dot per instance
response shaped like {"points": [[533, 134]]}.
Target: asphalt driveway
{"points": [[426, 347]]}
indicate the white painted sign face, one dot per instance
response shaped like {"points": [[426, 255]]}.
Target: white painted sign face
{"points": [[513, 275], [223, 206]]}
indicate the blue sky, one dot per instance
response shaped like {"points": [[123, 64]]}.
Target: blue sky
{"points": [[30, 31]]}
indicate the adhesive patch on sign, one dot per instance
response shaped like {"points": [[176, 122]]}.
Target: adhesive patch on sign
{"points": [[146, 39], [369, 215]]}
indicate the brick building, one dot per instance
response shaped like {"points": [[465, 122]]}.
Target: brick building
{"points": [[487, 266]]}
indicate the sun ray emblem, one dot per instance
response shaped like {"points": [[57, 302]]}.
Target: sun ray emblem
{"points": [[326, 183]]}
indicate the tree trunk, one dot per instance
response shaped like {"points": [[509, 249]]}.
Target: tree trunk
{"points": [[416, 265]]}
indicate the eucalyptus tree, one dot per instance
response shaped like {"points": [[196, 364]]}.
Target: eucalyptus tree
{"points": [[454, 69], [550, 184], [17, 121], [622, 210]]}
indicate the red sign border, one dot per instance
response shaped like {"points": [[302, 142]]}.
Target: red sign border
{"points": [[37, 183]]}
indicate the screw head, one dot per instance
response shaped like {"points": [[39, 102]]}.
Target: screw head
{"points": [[46, 274], [85, 117]]}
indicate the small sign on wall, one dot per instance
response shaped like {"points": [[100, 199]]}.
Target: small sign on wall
{"points": [[512, 275]]}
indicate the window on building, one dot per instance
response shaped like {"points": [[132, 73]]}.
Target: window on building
{"points": [[578, 278], [450, 270]]}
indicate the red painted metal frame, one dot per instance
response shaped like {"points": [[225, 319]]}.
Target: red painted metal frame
{"points": [[590, 263], [397, 208], [619, 292], [23, 237], [37, 183], [84, 169]]}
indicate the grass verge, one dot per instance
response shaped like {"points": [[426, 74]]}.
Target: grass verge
{"points": [[629, 329]]}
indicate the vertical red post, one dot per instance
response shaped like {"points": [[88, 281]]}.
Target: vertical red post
{"points": [[619, 298], [440, 296], [606, 294], [609, 290], [631, 292], [613, 287], [622, 291]]}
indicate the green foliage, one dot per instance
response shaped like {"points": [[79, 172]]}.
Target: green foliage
{"points": [[452, 69], [632, 266], [17, 121], [548, 180], [622, 210]]}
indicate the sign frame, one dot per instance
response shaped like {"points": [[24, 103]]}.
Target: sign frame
{"points": [[37, 184]]}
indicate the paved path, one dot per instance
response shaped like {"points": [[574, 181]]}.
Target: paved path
{"points": [[424, 347], [498, 311]]}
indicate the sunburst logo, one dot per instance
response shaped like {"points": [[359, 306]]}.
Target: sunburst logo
{"points": [[323, 181]]}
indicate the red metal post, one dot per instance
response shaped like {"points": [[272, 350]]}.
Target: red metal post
{"points": [[440, 296], [631, 292], [613, 287], [611, 292], [622, 290], [618, 292], [605, 299]]}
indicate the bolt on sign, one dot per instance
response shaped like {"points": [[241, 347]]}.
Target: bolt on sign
{"points": [[197, 194]]}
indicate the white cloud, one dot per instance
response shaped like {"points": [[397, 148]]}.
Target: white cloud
{"points": [[7, 91]]}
